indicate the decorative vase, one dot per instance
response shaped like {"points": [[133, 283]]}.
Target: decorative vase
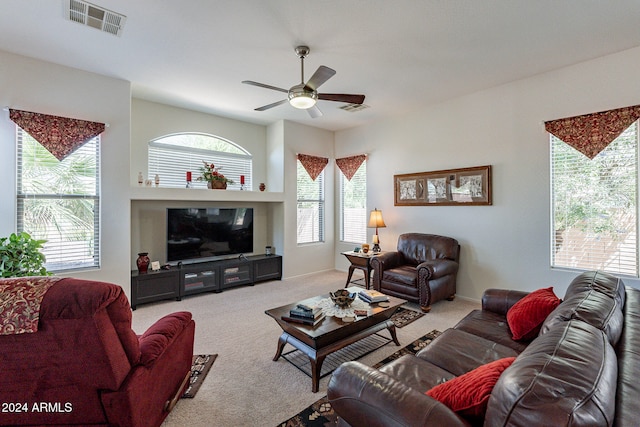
{"points": [[142, 262], [217, 185], [262, 186]]}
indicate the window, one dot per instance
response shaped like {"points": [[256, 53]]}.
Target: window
{"points": [[353, 206], [172, 156], [594, 206], [310, 207], [59, 201]]}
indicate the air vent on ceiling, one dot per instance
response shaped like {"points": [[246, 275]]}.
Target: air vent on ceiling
{"points": [[352, 108], [95, 16]]}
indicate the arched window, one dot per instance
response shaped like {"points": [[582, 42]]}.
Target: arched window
{"points": [[172, 156]]}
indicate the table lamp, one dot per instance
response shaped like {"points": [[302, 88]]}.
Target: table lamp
{"points": [[375, 220]]}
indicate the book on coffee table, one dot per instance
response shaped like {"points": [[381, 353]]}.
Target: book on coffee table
{"points": [[304, 320], [305, 312], [372, 296]]}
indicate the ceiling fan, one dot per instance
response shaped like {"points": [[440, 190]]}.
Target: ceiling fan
{"points": [[304, 96]]}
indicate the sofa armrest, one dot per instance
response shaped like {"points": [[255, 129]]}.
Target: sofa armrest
{"points": [[362, 395], [161, 334], [501, 300], [144, 398], [386, 261], [437, 268]]}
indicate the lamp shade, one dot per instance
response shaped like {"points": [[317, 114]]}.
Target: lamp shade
{"points": [[375, 219]]}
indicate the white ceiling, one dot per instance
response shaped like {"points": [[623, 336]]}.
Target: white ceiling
{"points": [[401, 54]]}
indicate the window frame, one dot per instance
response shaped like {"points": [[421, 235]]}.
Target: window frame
{"points": [[342, 180], [23, 197], [320, 201], [628, 261]]}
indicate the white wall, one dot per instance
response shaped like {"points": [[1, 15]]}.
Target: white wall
{"points": [[505, 245], [302, 259], [42, 87]]}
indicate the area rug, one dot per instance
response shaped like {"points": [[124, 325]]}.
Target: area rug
{"points": [[320, 413], [404, 316], [200, 367]]}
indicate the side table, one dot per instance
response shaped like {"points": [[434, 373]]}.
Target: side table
{"points": [[362, 262]]}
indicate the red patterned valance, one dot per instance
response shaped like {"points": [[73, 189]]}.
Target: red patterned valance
{"points": [[20, 300], [350, 165], [592, 133], [313, 165], [60, 135]]}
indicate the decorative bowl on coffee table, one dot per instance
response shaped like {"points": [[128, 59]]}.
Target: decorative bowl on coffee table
{"points": [[342, 297]]}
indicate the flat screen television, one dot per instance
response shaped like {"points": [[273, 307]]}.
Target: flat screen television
{"points": [[197, 233]]}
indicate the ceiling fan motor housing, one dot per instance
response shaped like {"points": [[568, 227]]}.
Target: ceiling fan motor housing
{"points": [[302, 98]]}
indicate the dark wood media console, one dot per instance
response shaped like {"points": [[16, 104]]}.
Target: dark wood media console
{"points": [[208, 276]]}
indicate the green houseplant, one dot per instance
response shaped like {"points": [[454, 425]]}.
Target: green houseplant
{"points": [[20, 256]]}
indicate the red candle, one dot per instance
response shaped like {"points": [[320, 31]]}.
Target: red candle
{"points": [[189, 176], [242, 179]]}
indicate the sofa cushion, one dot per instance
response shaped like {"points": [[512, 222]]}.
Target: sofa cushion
{"points": [[460, 352], [416, 373], [564, 377], [527, 315], [491, 326], [593, 297], [468, 394], [417, 248], [405, 274]]}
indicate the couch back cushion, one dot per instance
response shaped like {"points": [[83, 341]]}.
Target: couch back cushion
{"points": [[628, 392], [566, 377], [417, 247], [593, 297]]}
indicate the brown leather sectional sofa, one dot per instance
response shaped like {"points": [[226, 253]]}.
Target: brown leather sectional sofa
{"points": [[583, 369]]}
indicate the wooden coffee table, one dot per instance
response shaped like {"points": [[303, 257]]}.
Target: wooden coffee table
{"points": [[332, 334]]}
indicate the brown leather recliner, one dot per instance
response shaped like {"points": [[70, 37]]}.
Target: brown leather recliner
{"points": [[423, 269]]}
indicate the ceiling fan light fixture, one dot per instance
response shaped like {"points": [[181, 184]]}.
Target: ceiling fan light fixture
{"points": [[302, 99]]}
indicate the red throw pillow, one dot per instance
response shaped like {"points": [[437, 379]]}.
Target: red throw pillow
{"points": [[469, 393], [525, 317]]}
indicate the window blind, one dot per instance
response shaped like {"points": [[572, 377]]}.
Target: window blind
{"points": [[172, 162], [594, 206], [353, 206], [310, 214], [59, 201]]}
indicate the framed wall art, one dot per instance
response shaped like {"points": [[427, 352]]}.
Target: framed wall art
{"points": [[453, 187]]}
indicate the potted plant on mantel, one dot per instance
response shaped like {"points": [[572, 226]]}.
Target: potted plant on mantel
{"points": [[215, 179], [20, 256]]}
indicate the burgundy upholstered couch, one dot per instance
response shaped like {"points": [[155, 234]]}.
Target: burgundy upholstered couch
{"points": [[582, 369], [86, 366]]}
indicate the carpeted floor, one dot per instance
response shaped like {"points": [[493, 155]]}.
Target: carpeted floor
{"points": [[245, 386], [320, 413]]}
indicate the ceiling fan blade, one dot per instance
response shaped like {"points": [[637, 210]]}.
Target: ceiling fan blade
{"points": [[275, 104], [279, 89], [314, 112], [342, 97], [321, 75]]}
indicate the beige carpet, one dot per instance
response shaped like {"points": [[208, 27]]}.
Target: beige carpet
{"points": [[245, 387]]}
